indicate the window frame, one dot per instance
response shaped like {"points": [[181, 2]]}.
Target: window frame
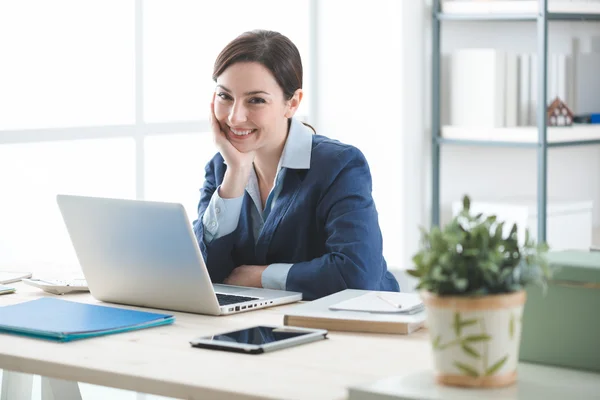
{"points": [[140, 130]]}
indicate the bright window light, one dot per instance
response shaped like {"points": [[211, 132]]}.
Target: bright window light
{"points": [[182, 39], [32, 232], [175, 168], [66, 63]]}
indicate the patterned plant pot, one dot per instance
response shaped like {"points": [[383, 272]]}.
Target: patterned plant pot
{"points": [[475, 339]]}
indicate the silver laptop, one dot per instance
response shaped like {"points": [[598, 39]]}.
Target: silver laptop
{"points": [[145, 254]]}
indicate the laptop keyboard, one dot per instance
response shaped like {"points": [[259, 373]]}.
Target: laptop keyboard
{"points": [[226, 299]]}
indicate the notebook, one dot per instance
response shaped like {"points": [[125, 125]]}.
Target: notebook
{"points": [[382, 302], [63, 321], [318, 314], [6, 289], [11, 276]]}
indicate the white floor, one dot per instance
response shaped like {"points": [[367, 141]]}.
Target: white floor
{"points": [[93, 392]]}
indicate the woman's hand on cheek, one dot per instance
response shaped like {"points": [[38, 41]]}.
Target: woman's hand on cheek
{"points": [[233, 157], [246, 275]]}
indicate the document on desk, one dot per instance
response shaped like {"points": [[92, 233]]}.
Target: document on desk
{"points": [[382, 302], [338, 312], [63, 320], [11, 276]]}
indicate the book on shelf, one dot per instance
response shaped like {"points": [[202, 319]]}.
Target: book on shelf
{"points": [[352, 310], [491, 88], [478, 87]]}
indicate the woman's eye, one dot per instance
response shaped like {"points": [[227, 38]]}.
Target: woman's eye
{"points": [[224, 96], [257, 100]]}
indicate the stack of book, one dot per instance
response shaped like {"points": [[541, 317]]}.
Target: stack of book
{"points": [[361, 311]]}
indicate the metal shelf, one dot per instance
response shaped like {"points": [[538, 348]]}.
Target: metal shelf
{"points": [[540, 137], [516, 17], [555, 16], [485, 17], [520, 136], [485, 143]]}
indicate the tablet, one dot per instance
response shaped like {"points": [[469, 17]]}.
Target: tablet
{"points": [[259, 339]]}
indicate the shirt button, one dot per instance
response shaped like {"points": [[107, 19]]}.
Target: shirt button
{"points": [[217, 210], [213, 224]]}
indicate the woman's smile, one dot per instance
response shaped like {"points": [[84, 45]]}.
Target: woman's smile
{"points": [[241, 134]]}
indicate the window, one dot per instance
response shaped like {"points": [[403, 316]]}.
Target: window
{"points": [[182, 38], [175, 168], [66, 63], [32, 230], [110, 98]]}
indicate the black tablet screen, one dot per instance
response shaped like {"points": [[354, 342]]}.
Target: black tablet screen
{"points": [[258, 335]]}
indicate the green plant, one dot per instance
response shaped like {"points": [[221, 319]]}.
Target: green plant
{"points": [[472, 256]]}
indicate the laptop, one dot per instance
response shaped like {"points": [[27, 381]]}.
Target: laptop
{"points": [[145, 253]]}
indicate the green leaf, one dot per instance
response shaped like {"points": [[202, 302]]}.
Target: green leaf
{"points": [[513, 232], [436, 342], [466, 369], [414, 273], [470, 351], [478, 338], [468, 322], [466, 203], [499, 231], [494, 368], [456, 324], [511, 326], [461, 284], [471, 252]]}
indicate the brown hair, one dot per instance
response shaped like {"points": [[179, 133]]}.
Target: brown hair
{"points": [[273, 50]]}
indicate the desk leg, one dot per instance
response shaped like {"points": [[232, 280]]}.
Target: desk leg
{"points": [[16, 386], [57, 389]]}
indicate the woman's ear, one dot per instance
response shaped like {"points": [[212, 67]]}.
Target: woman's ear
{"points": [[294, 103]]}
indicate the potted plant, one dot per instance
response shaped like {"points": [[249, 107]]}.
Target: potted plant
{"points": [[472, 277]]}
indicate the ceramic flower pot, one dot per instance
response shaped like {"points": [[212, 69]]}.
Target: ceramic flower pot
{"points": [[475, 339]]}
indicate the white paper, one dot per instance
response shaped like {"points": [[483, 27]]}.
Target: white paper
{"points": [[381, 302]]}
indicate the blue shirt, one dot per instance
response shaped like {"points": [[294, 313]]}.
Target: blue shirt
{"points": [[222, 215], [319, 232]]}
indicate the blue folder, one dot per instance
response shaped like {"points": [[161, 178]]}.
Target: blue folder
{"points": [[63, 320]]}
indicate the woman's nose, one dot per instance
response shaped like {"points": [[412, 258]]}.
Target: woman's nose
{"points": [[237, 114]]}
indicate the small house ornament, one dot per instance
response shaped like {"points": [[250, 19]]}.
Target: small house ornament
{"points": [[558, 114]]}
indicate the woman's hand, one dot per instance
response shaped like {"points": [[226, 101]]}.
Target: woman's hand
{"points": [[233, 157], [239, 164], [246, 275]]}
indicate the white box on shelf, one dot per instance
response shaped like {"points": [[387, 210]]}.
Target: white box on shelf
{"points": [[569, 224], [518, 6]]}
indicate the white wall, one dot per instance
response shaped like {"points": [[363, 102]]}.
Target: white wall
{"points": [[371, 97]]}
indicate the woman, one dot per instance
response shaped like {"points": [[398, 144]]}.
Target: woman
{"points": [[282, 208]]}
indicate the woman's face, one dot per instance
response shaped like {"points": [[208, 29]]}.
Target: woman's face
{"points": [[250, 107]]}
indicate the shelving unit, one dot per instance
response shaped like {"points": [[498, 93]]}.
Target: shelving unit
{"points": [[539, 137]]}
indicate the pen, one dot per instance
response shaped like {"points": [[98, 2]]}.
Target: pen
{"points": [[390, 302]]}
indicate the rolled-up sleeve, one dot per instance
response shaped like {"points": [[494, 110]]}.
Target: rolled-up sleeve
{"points": [[221, 216], [275, 276]]}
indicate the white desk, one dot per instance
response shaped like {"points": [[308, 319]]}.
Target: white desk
{"points": [[161, 361], [534, 382]]}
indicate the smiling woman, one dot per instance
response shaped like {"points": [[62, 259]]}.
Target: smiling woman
{"points": [[282, 207]]}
